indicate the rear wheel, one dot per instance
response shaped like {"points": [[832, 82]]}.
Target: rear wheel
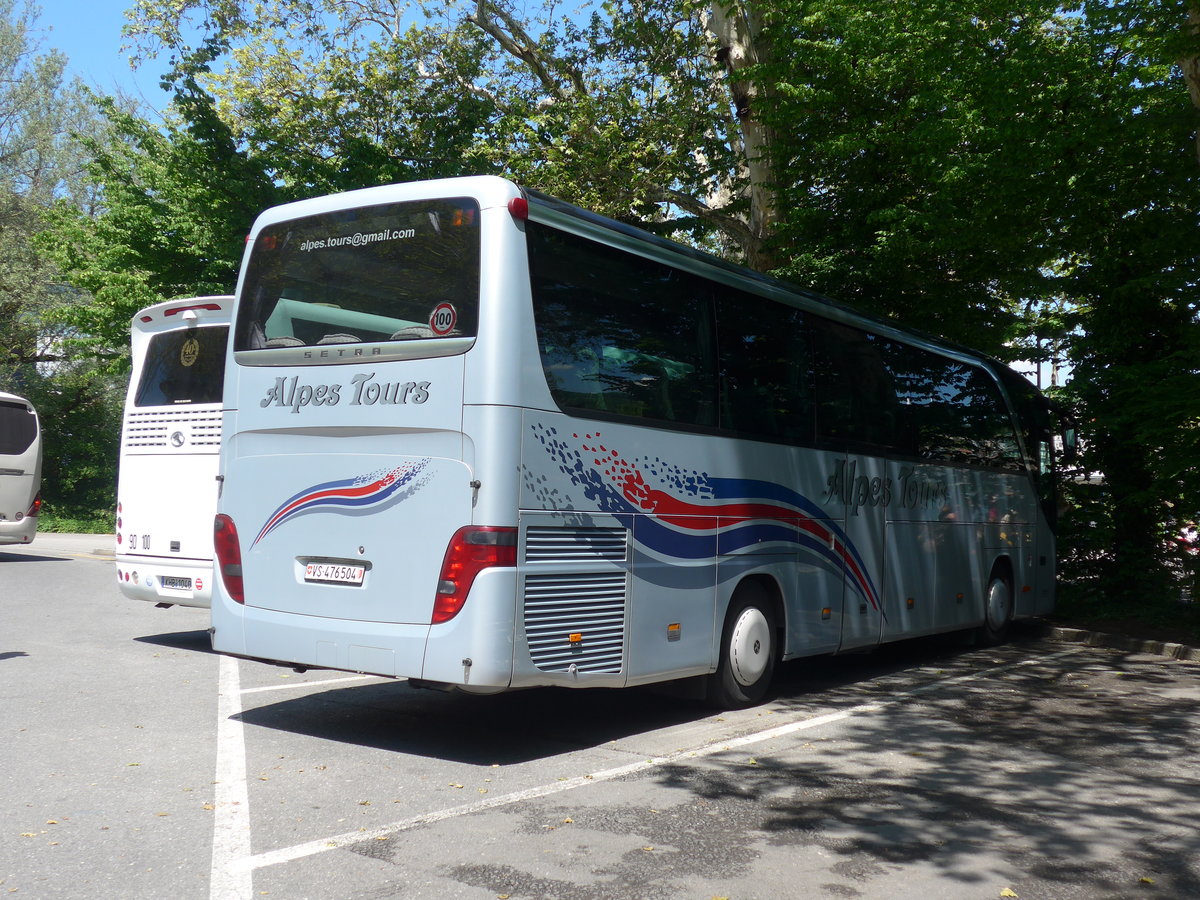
{"points": [[997, 609], [748, 650]]}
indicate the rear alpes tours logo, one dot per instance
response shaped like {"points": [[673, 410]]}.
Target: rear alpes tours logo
{"points": [[364, 391]]}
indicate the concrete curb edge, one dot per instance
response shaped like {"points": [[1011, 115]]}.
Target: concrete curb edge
{"points": [[1121, 642]]}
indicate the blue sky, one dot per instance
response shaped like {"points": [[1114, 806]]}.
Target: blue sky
{"points": [[89, 33]]}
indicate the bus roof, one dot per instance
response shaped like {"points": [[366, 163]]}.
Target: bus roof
{"points": [[212, 310]]}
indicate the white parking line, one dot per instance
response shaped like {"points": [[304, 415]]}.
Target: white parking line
{"points": [[230, 878], [310, 848], [245, 865], [297, 685]]}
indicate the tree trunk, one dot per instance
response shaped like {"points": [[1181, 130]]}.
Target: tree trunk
{"points": [[737, 31], [1191, 65]]}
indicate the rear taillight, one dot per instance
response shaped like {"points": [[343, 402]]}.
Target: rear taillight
{"points": [[37, 505], [472, 549], [229, 557]]}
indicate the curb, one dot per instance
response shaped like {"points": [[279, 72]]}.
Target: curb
{"points": [[1121, 642]]}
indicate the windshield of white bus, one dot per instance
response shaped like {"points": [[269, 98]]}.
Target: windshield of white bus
{"points": [[18, 427], [393, 272], [184, 366]]}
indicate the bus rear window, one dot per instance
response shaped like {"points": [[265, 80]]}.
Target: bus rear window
{"points": [[394, 272], [18, 427], [185, 366]]}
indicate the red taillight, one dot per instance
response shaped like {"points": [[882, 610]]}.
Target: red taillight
{"points": [[37, 505], [518, 207], [229, 557], [472, 549]]}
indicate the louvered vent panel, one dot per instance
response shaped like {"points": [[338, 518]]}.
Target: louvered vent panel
{"points": [[592, 606], [543, 544], [152, 430]]}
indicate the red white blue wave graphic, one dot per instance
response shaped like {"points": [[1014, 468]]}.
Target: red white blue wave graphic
{"points": [[351, 494], [692, 515]]}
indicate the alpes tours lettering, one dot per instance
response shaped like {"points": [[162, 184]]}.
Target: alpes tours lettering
{"points": [[364, 391], [914, 489]]}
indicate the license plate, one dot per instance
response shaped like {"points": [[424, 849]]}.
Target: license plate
{"points": [[331, 573], [175, 582]]}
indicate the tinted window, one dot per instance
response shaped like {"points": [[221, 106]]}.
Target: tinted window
{"points": [[855, 399], [394, 272], [18, 427], [621, 334], [764, 367], [949, 411], [186, 366]]}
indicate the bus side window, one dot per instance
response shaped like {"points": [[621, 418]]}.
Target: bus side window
{"points": [[854, 395], [621, 334], [954, 410], [765, 376]]}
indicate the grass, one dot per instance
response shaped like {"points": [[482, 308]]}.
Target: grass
{"points": [[98, 523]]}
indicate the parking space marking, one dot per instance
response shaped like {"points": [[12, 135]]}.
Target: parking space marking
{"points": [[297, 685], [249, 863], [230, 878]]}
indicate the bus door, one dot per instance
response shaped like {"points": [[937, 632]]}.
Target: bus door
{"points": [[854, 405], [859, 485]]}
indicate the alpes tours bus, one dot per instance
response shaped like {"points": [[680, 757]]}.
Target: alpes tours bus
{"points": [[479, 438]]}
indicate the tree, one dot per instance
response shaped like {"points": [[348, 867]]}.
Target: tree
{"points": [[38, 161], [1133, 221], [174, 207], [623, 108], [41, 163], [924, 156]]}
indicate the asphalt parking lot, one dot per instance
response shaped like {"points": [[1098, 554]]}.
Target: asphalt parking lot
{"points": [[136, 763]]}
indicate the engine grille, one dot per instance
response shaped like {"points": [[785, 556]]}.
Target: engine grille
{"points": [[590, 607], [544, 544], [151, 431]]}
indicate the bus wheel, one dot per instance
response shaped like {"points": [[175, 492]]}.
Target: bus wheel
{"points": [[997, 609], [748, 650]]}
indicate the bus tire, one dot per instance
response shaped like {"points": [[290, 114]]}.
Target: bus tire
{"points": [[748, 650], [998, 608]]}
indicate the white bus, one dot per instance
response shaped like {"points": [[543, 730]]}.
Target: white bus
{"points": [[479, 438], [170, 446], [20, 469]]}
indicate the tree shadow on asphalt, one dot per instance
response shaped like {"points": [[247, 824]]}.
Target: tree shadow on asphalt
{"points": [[1079, 771]]}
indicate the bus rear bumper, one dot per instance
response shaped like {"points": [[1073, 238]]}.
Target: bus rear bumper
{"points": [[163, 580], [472, 651], [21, 532]]}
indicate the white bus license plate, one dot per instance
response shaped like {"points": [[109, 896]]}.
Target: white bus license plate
{"points": [[175, 582], [327, 572]]}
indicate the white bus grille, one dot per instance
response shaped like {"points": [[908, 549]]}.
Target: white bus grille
{"points": [[199, 430], [544, 544], [576, 620]]}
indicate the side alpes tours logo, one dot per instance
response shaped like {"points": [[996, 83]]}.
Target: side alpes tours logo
{"points": [[911, 488]]}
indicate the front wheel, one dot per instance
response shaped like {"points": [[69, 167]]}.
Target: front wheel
{"points": [[748, 650], [997, 610]]}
